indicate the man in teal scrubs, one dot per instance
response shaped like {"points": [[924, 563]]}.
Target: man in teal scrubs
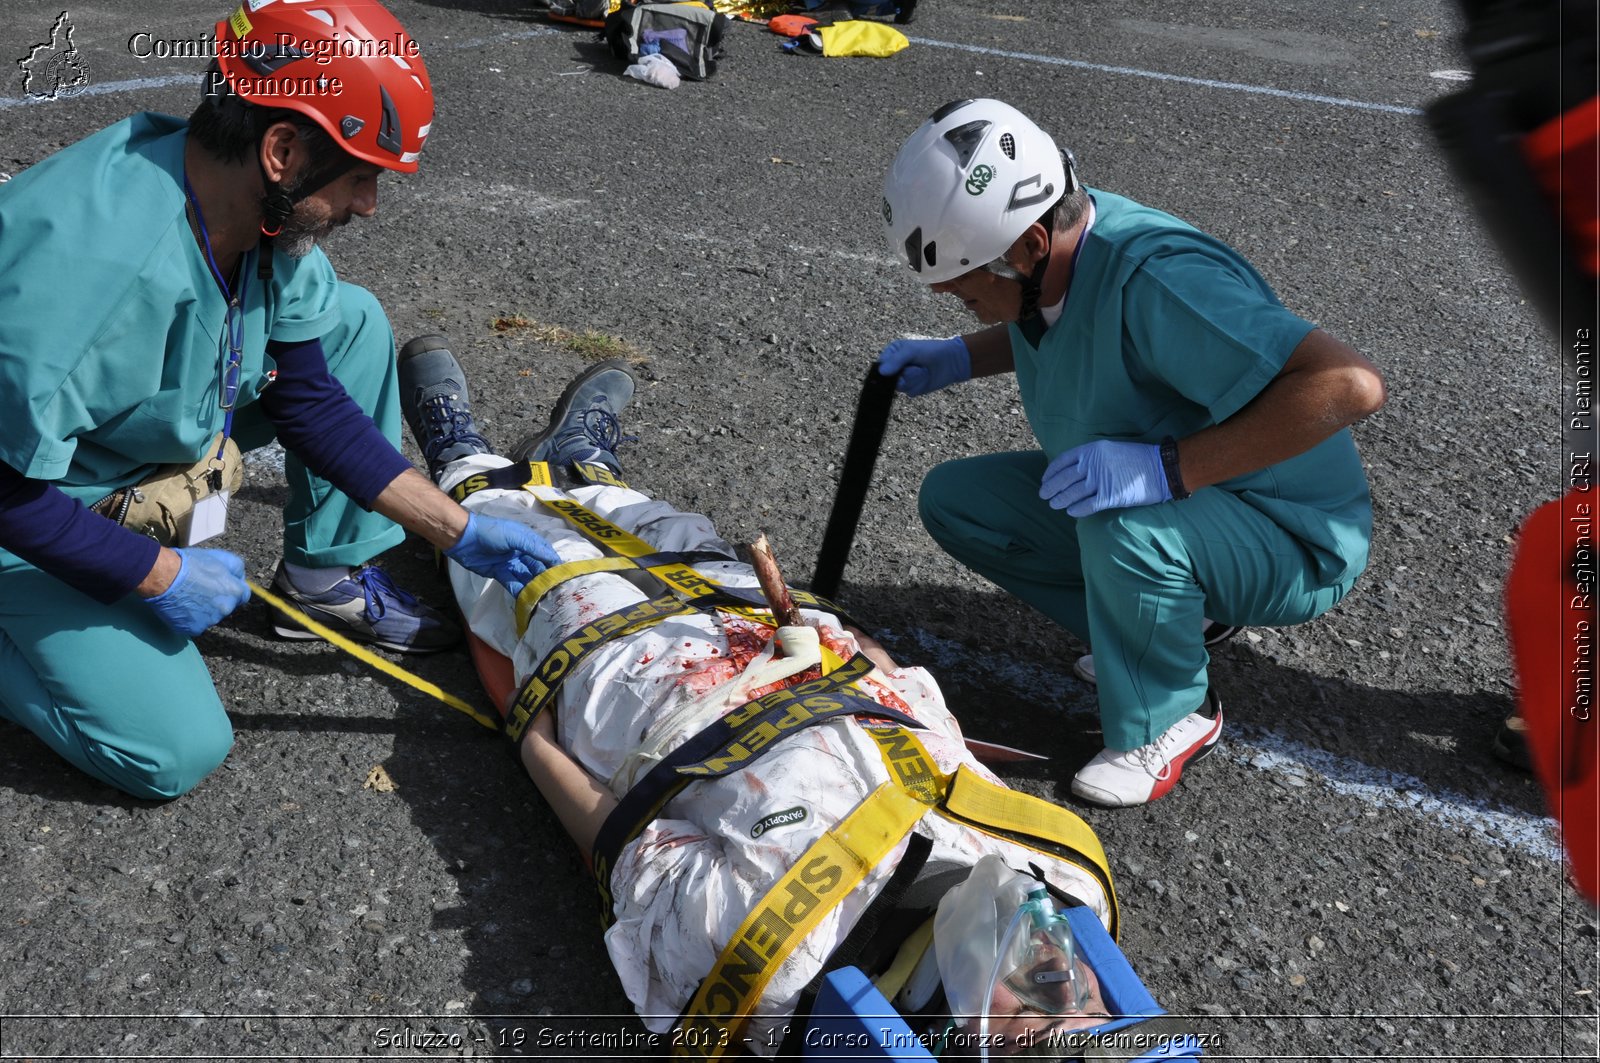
{"points": [[1195, 455], [160, 286]]}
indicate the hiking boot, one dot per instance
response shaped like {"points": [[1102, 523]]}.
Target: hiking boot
{"points": [[1511, 743], [366, 606], [1215, 632], [584, 426], [1118, 780], [433, 396]]}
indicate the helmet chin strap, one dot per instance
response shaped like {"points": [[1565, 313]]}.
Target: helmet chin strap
{"points": [[1030, 321]]}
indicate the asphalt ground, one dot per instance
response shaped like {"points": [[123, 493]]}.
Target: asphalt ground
{"points": [[1352, 876]]}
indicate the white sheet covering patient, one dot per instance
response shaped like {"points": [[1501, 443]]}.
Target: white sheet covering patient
{"points": [[683, 887]]}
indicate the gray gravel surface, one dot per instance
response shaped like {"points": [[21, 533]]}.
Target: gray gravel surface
{"points": [[1352, 876]]}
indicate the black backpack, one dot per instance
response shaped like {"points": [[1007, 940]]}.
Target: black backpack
{"points": [[688, 34]]}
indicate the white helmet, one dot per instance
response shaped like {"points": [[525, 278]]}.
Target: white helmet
{"points": [[966, 184]]}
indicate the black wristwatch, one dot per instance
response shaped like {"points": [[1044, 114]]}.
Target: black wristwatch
{"points": [[1169, 465]]}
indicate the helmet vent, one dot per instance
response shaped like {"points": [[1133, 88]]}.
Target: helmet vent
{"points": [[266, 65], [966, 139], [1008, 144], [914, 249], [321, 16], [931, 253], [399, 62]]}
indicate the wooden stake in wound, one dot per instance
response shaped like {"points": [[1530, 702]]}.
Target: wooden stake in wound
{"points": [[773, 587]]}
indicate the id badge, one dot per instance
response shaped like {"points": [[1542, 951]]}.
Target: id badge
{"points": [[208, 519]]}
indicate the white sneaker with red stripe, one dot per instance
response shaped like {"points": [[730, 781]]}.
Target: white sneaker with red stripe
{"points": [[1121, 779]]}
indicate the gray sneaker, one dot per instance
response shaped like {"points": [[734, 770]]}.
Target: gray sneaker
{"points": [[584, 426], [433, 397], [366, 606]]}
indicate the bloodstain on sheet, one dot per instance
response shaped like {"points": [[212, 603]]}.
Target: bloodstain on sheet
{"points": [[746, 639]]}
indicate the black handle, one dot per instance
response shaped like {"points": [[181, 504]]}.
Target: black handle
{"points": [[866, 436]]}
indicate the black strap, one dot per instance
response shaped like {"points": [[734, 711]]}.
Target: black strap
{"points": [[729, 744], [866, 437], [861, 935]]}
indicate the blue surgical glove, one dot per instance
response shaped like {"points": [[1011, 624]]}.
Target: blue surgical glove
{"points": [[926, 365], [502, 550], [209, 585], [1105, 474]]}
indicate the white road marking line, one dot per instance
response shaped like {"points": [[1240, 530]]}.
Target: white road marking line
{"points": [[1156, 75], [1382, 788], [1267, 752], [106, 89]]}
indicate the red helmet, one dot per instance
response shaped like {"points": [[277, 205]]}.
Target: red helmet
{"points": [[346, 64]]}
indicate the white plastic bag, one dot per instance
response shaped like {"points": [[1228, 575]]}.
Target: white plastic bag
{"points": [[654, 69], [967, 929]]}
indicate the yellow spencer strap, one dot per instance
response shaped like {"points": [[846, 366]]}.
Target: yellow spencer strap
{"points": [[545, 581], [833, 866], [523, 476], [981, 803], [681, 577], [363, 654], [824, 875]]}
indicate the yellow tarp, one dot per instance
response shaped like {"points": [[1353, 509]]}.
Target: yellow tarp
{"points": [[859, 37]]}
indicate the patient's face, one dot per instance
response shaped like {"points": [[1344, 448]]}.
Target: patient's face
{"points": [[1016, 1028]]}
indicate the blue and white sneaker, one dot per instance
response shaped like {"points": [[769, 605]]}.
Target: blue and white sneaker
{"points": [[584, 427], [433, 396], [366, 606]]}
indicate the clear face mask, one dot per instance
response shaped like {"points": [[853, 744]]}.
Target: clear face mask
{"points": [[1037, 968]]}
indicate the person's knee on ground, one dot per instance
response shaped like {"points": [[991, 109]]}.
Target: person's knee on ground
{"points": [[170, 756], [193, 752]]}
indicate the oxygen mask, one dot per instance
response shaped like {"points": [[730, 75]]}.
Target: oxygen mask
{"points": [[1037, 963]]}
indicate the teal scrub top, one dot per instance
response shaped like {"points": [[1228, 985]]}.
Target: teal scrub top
{"points": [[111, 324], [1167, 331]]}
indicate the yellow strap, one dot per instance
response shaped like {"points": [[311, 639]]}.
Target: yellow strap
{"points": [[528, 598], [825, 874], [538, 475], [680, 577], [363, 654], [984, 804], [675, 574], [833, 866]]}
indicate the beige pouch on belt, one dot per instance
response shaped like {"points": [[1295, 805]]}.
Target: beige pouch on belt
{"points": [[161, 504]]}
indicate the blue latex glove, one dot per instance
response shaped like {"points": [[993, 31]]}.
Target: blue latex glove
{"points": [[926, 365], [209, 585], [502, 550], [1105, 474]]}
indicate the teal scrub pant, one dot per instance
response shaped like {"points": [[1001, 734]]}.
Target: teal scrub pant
{"points": [[1135, 584], [121, 695]]}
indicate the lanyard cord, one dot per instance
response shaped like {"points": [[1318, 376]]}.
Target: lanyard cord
{"points": [[233, 324]]}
